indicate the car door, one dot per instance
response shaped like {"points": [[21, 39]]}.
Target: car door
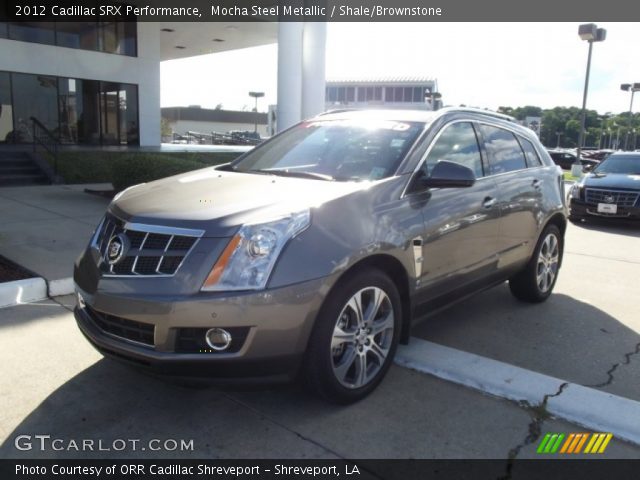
{"points": [[459, 244], [519, 192]]}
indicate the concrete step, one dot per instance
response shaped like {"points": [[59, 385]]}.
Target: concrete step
{"points": [[23, 179], [15, 163], [26, 169]]}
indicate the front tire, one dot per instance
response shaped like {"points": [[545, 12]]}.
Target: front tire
{"points": [[535, 283], [355, 337]]}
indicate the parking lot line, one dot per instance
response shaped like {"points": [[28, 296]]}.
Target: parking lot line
{"points": [[590, 408]]}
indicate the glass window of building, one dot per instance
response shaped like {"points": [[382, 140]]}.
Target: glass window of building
{"points": [[38, 32], [34, 96], [351, 94], [77, 35], [6, 109], [408, 94], [362, 94], [109, 37]]}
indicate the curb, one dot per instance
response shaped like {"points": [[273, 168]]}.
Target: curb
{"points": [[22, 291], [63, 286], [587, 407], [33, 290]]}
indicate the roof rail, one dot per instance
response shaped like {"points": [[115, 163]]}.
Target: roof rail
{"points": [[482, 112], [339, 110]]}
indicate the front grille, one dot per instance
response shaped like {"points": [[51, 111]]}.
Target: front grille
{"points": [[620, 198], [191, 340], [122, 327], [150, 252]]}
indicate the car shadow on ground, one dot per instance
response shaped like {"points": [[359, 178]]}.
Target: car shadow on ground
{"points": [[620, 227], [109, 401]]}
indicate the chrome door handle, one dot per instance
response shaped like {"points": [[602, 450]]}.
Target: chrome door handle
{"points": [[489, 202], [536, 184]]}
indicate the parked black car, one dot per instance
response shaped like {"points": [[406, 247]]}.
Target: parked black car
{"points": [[566, 159], [611, 190]]}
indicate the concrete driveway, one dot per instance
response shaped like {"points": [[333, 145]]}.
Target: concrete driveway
{"points": [[54, 383]]}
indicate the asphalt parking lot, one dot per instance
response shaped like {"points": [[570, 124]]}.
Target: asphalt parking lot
{"points": [[588, 333]]}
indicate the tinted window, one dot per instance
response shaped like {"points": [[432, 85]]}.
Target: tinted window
{"points": [[533, 160], [457, 143], [505, 154], [627, 164]]}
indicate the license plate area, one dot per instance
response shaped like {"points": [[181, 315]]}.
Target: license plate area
{"points": [[607, 208]]}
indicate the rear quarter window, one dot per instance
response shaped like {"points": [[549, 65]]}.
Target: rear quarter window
{"points": [[533, 159]]}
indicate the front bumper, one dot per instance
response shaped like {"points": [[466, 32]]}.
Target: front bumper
{"points": [[276, 326], [580, 209]]}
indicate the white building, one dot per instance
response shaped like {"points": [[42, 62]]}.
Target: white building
{"points": [[99, 82], [388, 92]]}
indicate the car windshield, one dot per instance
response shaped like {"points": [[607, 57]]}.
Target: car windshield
{"points": [[625, 164], [343, 150]]}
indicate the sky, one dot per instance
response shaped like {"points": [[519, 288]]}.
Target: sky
{"points": [[484, 65]]}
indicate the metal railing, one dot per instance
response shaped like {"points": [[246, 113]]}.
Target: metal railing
{"points": [[45, 139]]}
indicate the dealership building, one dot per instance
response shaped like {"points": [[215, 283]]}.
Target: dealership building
{"points": [[98, 83]]}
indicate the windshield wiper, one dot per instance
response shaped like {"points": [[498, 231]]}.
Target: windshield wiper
{"points": [[290, 173]]}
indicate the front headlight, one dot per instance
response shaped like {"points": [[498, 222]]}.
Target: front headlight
{"points": [[247, 261]]}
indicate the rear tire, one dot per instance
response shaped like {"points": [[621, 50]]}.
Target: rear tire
{"points": [[355, 337], [535, 283]]}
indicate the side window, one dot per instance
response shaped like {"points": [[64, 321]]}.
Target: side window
{"points": [[457, 143], [533, 160], [505, 154]]}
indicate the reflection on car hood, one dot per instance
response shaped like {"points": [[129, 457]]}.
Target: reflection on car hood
{"points": [[612, 180], [220, 201]]}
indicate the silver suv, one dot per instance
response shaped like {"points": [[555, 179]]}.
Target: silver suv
{"points": [[313, 253]]}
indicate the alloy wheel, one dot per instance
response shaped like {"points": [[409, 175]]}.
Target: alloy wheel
{"points": [[362, 337]]}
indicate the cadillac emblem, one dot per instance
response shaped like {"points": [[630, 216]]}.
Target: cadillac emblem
{"points": [[117, 248]]}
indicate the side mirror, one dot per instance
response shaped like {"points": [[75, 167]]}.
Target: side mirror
{"points": [[446, 174]]}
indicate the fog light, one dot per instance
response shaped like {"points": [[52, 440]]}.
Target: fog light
{"points": [[218, 339]]}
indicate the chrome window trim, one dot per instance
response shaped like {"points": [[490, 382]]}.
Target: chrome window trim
{"points": [[474, 121]]}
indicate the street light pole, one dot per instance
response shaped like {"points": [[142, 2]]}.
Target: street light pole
{"points": [[633, 88], [256, 95], [591, 33]]}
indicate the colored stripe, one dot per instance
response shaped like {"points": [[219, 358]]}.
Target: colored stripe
{"points": [[582, 440], [551, 442], [598, 442], [590, 444], [605, 443], [575, 442], [568, 442], [554, 449], [543, 443]]}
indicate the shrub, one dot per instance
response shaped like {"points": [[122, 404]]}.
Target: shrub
{"points": [[123, 169]]}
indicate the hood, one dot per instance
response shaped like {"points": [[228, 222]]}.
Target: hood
{"points": [[220, 201], [615, 181]]}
